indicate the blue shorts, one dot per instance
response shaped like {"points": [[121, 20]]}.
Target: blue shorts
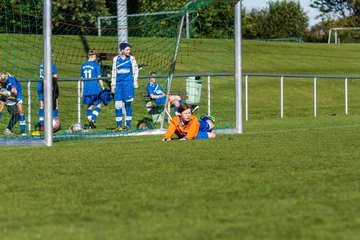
{"points": [[202, 135], [40, 96], [19, 100], [40, 91], [204, 126], [161, 100], [91, 99], [124, 91]]}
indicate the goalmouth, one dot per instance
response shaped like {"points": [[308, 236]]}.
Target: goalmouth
{"points": [[47, 69], [335, 31], [46, 51]]}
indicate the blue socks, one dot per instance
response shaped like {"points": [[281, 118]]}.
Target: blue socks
{"points": [[89, 114], [41, 117], [95, 113], [22, 123]]}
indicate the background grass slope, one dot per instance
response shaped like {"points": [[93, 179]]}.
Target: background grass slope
{"points": [[214, 55], [295, 178]]}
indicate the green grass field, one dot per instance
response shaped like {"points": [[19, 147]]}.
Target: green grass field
{"points": [[291, 178]]}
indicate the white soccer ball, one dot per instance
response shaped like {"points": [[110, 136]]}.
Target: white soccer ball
{"points": [[77, 127], [56, 125]]}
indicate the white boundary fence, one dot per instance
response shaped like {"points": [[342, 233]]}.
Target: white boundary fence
{"points": [[283, 76], [208, 76]]}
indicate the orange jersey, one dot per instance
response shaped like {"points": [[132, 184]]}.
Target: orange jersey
{"points": [[181, 129]]}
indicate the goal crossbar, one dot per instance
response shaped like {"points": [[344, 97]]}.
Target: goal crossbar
{"points": [[335, 30]]}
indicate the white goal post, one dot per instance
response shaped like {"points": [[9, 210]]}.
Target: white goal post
{"points": [[335, 30], [48, 134]]}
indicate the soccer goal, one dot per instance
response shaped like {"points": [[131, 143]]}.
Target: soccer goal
{"points": [[344, 35], [159, 44]]}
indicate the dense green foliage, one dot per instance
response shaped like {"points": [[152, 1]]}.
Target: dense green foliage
{"points": [[338, 13], [339, 8], [19, 16], [281, 19], [83, 12]]}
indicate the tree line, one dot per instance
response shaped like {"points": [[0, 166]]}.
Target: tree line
{"points": [[279, 19]]}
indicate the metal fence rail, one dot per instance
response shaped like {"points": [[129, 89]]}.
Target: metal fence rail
{"points": [[208, 76], [282, 76]]}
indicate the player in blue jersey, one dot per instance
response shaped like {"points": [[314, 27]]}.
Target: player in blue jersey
{"points": [[123, 81], [90, 89], [156, 93], [40, 91], [3, 93], [3, 96], [12, 93]]}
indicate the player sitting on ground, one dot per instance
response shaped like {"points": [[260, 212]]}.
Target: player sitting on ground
{"points": [[187, 127], [90, 89], [156, 93]]}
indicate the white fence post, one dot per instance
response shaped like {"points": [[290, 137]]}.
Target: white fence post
{"points": [[246, 99], [188, 26], [99, 26], [315, 97], [79, 102], [282, 97], [29, 106], [209, 96], [346, 96]]}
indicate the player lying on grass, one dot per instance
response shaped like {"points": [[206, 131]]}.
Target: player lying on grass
{"points": [[156, 93], [187, 127], [11, 96]]}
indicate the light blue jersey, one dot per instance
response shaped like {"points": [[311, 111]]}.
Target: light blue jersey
{"points": [[155, 89]]}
